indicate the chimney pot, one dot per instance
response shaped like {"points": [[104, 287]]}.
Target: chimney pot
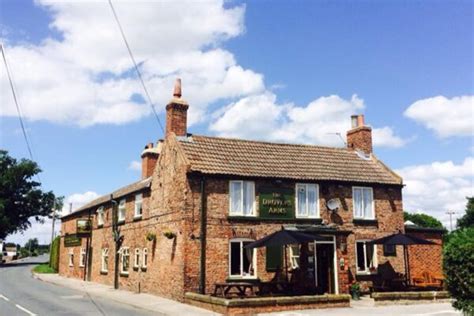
{"points": [[176, 113], [177, 88], [360, 120]]}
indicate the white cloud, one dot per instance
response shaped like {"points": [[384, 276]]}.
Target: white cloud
{"points": [[135, 165], [43, 231], [86, 77], [261, 117], [438, 187], [446, 117]]}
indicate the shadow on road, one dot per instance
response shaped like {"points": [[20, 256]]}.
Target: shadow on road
{"points": [[19, 264]]}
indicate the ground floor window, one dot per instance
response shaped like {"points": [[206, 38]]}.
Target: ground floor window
{"points": [[124, 260], [145, 258], [105, 260], [242, 261], [82, 258], [295, 256], [136, 261], [366, 254], [71, 257]]}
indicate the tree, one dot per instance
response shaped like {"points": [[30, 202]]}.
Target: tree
{"points": [[468, 219], [458, 265], [423, 220], [21, 198], [32, 244]]}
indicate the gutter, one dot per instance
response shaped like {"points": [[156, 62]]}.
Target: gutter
{"points": [[202, 238]]}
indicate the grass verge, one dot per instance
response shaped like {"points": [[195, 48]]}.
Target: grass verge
{"points": [[43, 268]]}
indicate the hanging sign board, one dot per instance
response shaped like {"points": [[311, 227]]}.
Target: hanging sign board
{"points": [[72, 241], [277, 203], [83, 226]]}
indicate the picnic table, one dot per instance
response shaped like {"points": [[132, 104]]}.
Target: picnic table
{"points": [[224, 289]]}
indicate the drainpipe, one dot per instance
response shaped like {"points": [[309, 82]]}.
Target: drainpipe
{"points": [[116, 236], [202, 237], [88, 242]]}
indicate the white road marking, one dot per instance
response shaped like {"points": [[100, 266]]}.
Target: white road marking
{"points": [[25, 310], [4, 297]]}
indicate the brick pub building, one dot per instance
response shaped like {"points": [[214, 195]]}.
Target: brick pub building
{"points": [[183, 226]]}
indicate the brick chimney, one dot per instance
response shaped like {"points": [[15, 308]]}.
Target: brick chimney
{"points": [[149, 158], [176, 113], [360, 135]]}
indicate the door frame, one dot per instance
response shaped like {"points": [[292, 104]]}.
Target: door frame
{"points": [[332, 242]]}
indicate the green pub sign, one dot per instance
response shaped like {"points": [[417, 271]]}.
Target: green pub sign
{"points": [[277, 203], [72, 240]]}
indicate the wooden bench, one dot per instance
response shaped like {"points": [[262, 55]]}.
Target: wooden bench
{"points": [[225, 289], [428, 280]]}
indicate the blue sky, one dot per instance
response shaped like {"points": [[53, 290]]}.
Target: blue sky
{"points": [[282, 71]]}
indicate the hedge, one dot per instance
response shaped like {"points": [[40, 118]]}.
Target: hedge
{"points": [[458, 262], [54, 255]]}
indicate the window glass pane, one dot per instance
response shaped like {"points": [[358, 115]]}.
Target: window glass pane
{"points": [[370, 254], [368, 203], [358, 203], [301, 200], [312, 200], [360, 256], [247, 260], [236, 197], [248, 197], [235, 258]]}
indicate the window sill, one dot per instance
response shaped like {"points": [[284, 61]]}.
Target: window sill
{"points": [[242, 279], [143, 269], [100, 225], [124, 274], [365, 222], [137, 218], [121, 222], [136, 268], [104, 272], [366, 273]]}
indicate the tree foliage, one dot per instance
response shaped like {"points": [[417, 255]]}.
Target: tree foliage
{"points": [[458, 264], [423, 220], [32, 244], [468, 219], [21, 198]]}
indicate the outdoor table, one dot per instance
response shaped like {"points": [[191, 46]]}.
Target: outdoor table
{"points": [[224, 289]]}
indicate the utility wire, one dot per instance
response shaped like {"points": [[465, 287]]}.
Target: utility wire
{"points": [[12, 86], [136, 66]]}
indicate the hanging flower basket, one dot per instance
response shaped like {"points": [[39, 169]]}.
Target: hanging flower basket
{"points": [[151, 236], [169, 234]]}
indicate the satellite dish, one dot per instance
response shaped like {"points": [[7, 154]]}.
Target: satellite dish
{"points": [[333, 204]]}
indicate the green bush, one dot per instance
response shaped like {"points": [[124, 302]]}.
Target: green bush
{"points": [[43, 268], [458, 263], [54, 255]]}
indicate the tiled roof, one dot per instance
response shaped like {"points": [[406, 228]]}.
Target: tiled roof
{"points": [[136, 186], [212, 155]]}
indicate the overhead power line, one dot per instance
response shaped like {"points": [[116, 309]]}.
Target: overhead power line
{"points": [[15, 99], [136, 66]]}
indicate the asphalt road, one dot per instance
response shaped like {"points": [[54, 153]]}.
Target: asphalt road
{"points": [[21, 294]]}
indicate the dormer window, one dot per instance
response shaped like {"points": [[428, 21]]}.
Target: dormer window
{"points": [[242, 198]]}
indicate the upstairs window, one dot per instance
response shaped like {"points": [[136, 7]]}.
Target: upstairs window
{"points": [[307, 200], [363, 203], [242, 261], [138, 205], [100, 216], [104, 266], [366, 254], [121, 211], [242, 198]]}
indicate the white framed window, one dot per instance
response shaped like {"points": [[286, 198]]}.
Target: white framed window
{"points": [[136, 261], [366, 256], [124, 260], [307, 200], [100, 216], [138, 205], [71, 257], [104, 266], [82, 258], [363, 202], [295, 256], [242, 198], [121, 210], [242, 261], [145, 258]]}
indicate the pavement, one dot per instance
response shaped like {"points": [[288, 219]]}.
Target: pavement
{"points": [[24, 293]]}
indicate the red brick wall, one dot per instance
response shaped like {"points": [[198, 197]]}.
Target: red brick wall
{"points": [[176, 118], [360, 138], [426, 258]]}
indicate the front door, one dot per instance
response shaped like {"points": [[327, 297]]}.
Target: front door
{"points": [[325, 268]]}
